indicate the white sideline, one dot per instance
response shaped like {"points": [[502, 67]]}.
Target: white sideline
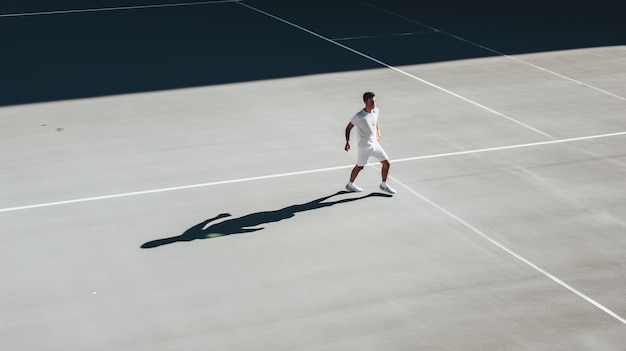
{"points": [[513, 253]]}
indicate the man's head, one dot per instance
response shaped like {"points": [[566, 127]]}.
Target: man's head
{"points": [[369, 98]]}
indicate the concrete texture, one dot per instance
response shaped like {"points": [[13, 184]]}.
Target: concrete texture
{"points": [[119, 206]]}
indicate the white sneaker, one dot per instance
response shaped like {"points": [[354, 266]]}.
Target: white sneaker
{"points": [[353, 188], [387, 189]]}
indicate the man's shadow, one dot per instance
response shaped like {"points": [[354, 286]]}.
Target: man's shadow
{"points": [[249, 222]]}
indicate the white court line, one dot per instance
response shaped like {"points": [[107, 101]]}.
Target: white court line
{"points": [[498, 148], [60, 12], [498, 52], [513, 253], [398, 70], [382, 36], [271, 176], [182, 187]]}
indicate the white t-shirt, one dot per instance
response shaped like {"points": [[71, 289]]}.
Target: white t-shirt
{"points": [[365, 124]]}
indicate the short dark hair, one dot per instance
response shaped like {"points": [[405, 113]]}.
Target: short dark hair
{"points": [[368, 96]]}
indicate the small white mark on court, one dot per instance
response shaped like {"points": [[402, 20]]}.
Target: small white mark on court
{"points": [[382, 35]]}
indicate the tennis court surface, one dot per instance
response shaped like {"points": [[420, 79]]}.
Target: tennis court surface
{"points": [[173, 176]]}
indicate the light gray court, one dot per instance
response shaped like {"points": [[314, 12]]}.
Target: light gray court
{"points": [[172, 179]]}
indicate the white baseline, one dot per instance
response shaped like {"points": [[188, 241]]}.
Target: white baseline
{"points": [[120, 8], [288, 174]]}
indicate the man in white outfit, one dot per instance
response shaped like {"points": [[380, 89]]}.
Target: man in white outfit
{"points": [[368, 133]]}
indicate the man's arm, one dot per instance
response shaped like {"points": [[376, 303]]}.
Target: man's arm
{"points": [[348, 129], [378, 137]]}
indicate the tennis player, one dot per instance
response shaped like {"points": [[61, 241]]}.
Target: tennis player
{"points": [[368, 136]]}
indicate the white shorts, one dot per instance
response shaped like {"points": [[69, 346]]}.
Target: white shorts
{"points": [[375, 151]]}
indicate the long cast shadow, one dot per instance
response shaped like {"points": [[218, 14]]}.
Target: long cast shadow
{"points": [[250, 222]]}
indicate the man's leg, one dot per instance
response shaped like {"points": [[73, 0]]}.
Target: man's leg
{"points": [[384, 172], [355, 173], [361, 159]]}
